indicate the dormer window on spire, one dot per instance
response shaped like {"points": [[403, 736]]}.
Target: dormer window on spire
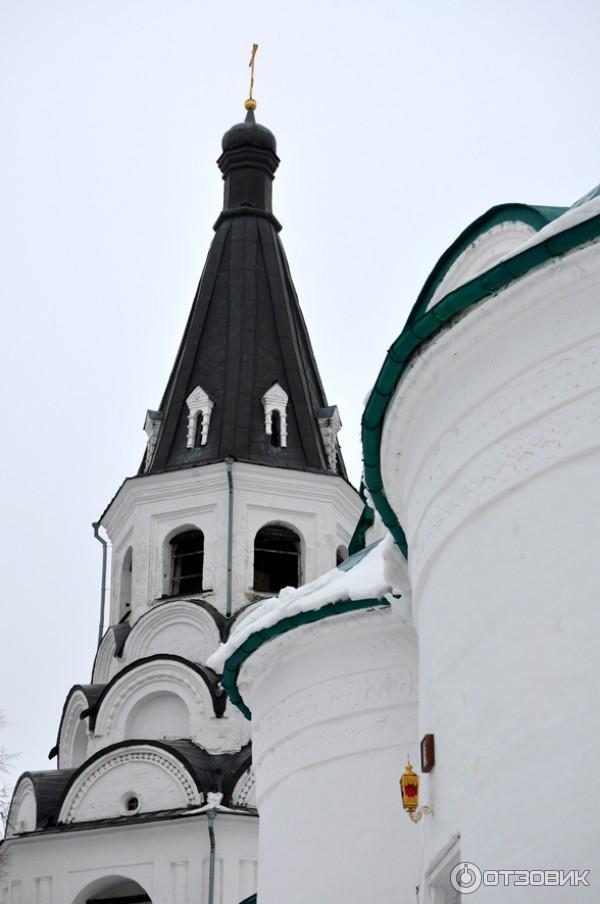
{"points": [[275, 402], [200, 407]]}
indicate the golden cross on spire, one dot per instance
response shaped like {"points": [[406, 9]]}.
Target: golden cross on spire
{"points": [[251, 103]]}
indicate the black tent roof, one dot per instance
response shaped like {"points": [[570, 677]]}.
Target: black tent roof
{"points": [[245, 332]]}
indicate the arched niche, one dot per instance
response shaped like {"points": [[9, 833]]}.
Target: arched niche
{"points": [[22, 814], [153, 777], [160, 715], [179, 627], [151, 683]]}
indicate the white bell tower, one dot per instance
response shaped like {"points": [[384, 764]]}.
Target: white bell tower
{"points": [[242, 492]]}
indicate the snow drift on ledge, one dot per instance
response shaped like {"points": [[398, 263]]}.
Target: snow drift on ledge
{"points": [[377, 572]]}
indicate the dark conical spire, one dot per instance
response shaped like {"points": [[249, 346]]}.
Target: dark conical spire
{"points": [[245, 338]]}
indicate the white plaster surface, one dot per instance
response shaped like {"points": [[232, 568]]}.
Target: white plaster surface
{"points": [[334, 716], [168, 859], [491, 456]]}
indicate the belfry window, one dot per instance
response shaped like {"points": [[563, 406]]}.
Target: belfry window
{"points": [[187, 562], [276, 559], [275, 429]]}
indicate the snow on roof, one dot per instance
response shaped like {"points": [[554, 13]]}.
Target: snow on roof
{"points": [[581, 211], [376, 572]]}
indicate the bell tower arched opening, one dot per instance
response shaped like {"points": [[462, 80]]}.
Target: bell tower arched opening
{"points": [[277, 559], [187, 563]]}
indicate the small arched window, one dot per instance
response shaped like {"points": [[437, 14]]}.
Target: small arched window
{"points": [[276, 559], [276, 429], [187, 562], [126, 580]]}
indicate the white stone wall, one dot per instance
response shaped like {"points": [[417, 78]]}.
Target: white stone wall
{"points": [[333, 718], [170, 860], [148, 511], [491, 459]]}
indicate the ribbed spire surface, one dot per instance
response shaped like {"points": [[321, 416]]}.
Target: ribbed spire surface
{"points": [[245, 333]]}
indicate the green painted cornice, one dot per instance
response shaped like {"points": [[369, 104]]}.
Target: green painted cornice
{"points": [[422, 325], [259, 638]]}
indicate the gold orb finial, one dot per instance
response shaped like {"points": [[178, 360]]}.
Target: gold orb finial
{"points": [[250, 104]]}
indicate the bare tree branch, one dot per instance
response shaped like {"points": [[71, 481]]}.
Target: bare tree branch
{"points": [[5, 769]]}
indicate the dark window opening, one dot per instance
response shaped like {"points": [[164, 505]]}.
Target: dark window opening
{"points": [[341, 554], [126, 580], [198, 433], [129, 899], [132, 804], [276, 429], [276, 559], [187, 562]]}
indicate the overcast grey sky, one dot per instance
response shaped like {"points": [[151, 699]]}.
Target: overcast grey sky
{"points": [[397, 122]]}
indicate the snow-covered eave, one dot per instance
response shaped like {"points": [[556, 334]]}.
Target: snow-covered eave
{"points": [[578, 226], [580, 213], [374, 577]]}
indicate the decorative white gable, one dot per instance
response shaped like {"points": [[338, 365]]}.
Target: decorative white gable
{"points": [[276, 399], [330, 425], [151, 777], [200, 405]]}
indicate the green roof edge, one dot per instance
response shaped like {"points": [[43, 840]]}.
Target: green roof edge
{"points": [[234, 663], [534, 216], [420, 327]]}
